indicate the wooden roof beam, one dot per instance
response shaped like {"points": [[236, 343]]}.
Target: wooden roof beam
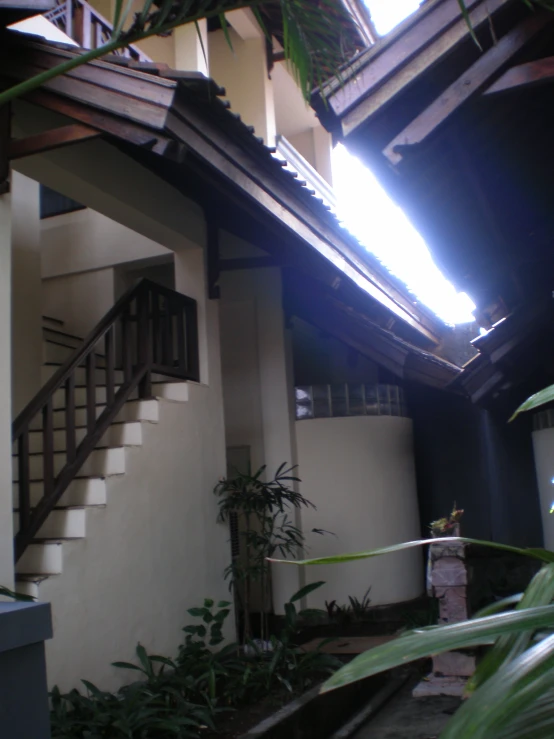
{"points": [[466, 86], [53, 139], [534, 73], [378, 64], [421, 63]]}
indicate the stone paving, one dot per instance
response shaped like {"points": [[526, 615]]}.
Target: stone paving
{"points": [[406, 717]]}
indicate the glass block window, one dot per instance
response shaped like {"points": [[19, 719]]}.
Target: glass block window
{"points": [[349, 399]]}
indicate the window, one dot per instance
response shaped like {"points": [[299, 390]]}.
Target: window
{"points": [[53, 203]]}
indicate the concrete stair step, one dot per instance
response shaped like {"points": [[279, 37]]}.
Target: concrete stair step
{"points": [[66, 523], [57, 351], [133, 410], [100, 463], [28, 585], [83, 491], [177, 391], [50, 368], [41, 558], [57, 333], [119, 434]]}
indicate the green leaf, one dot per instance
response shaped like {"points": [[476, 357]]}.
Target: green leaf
{"points": [[499, 606], [540, 592], [466, 16], [535, 553], [143, 657], [225, 28], [306, 590], [196, 612], [535, 401], [422, 643], [127, 666], [7, 593], [504, 708]]}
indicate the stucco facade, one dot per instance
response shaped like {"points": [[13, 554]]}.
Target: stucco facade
{"points": [[146, 547]]}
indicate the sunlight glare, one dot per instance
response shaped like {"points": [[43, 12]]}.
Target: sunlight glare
{"points": [[386, 14], [366, 210]]}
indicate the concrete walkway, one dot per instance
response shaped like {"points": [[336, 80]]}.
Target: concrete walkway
{"points": [[405, 717]]}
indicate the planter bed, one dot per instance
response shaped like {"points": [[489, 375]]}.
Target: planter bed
{"points": [[314, 715]]}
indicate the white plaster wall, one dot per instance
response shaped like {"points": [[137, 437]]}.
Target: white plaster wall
{"points": [[26, 298], [360, 473], [242, 71], [6, 513], [153, 552], [191, 47], [86, 240], [79, 300], [543, 447], [112, 184]]}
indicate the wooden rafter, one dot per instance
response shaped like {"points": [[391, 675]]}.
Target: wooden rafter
{"points": [[53, 139], [427, 57], [101, 121], [380, 63], [227, 265], [538, 72], [466, 86]]}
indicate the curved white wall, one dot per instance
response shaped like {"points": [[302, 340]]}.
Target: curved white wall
{"points": [[543, 446], [360, 473]]}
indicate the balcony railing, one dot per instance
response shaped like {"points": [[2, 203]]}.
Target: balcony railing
{"points": [[297, 163], [85, 25]]}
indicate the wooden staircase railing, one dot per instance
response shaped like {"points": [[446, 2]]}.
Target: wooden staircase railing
{"points": [[85, 25], [150, 329]]}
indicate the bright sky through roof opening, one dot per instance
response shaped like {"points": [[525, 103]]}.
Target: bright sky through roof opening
{"points": [[379, 224], [386, 14]]}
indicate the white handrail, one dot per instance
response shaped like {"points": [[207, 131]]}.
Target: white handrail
{"points": [[297, 163]]}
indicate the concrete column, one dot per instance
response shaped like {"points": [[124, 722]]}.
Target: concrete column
{"points": [[323, 147], [543, 447], [6, 507], [26, 291], [276, 391], [242, 70], [191, 48]]}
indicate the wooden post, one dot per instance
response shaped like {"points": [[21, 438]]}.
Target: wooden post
{"points": [[5, 128], [447, 581]]}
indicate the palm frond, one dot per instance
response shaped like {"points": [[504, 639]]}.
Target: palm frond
{"points": [[314, 34]]}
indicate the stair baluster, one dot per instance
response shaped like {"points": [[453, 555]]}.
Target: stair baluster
{"points": [[134, 321], [85, 25]]}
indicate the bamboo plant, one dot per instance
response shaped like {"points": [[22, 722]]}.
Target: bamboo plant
{"points": [[265, 512]]}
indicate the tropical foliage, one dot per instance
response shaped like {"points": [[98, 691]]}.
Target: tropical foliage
{"points": [[184, 696], [543, 397], [314, 34], [513, 687]]}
